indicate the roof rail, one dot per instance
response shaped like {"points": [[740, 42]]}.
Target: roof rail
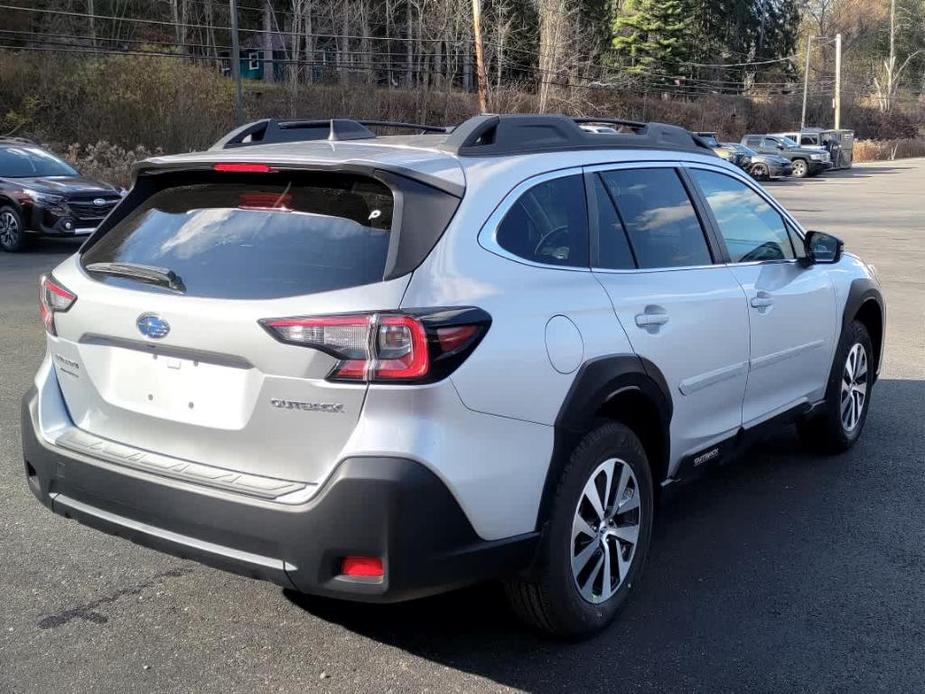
{"points": [[270, 130], [482, 136], [497, 135]]}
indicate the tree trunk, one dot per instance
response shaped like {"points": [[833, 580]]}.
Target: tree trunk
{"points": [[409, 45]]}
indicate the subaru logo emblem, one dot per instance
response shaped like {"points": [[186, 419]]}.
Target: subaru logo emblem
{"points": [[99, 202], [153, 326]]}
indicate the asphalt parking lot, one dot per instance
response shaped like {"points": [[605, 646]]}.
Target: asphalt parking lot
{"points": [[784, 572]]}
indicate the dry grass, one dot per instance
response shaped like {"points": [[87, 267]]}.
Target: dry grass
{"points": [[886, 150]]}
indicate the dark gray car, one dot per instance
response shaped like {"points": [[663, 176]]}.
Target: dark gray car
{"points": [[805, 161], [762, 166]]}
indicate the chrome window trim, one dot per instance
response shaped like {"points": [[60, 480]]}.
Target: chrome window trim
{"points": [[488, 235]]}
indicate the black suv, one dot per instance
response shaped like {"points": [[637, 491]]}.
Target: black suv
{"points": [[42, 195]]}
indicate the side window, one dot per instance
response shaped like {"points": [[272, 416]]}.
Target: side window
{"points": [[549, 224], [769, 142], [808, 140], [613, 245], [753, 142], [752, 229], [660, 220]]}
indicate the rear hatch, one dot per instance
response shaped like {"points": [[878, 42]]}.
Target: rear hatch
{"points": [[175, 360]]}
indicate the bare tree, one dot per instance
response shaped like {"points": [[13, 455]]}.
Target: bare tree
{"points": [[886, 84]]}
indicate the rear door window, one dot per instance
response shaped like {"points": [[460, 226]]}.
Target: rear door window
{"points": [[613, 251], [272, 236], [659, 218]]}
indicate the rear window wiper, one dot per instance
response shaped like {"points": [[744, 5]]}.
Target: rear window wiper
{"points": [[149, 274]]}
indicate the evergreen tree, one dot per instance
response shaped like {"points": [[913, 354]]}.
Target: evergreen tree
{"points": [[654, 37]]}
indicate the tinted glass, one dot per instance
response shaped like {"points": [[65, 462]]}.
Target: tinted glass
{"points": [[26, 162], [549, 224], [613, 247], [659, 218], [769, 142], [753, 141], [753, 230], [243, 240]]}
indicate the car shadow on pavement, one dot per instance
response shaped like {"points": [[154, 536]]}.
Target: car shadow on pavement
{"points": [[775, 572], [53, 246]]}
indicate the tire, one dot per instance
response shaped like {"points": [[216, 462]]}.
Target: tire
{"points": [[800, 168], [761, 172], [838, 424], [552, 601], [12, 233]]}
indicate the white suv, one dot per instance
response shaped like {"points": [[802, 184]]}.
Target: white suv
{"points": [[376, 368]]}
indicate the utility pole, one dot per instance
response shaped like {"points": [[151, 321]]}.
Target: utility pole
{"points": [[809, 50], [837, 81], [236, 64], [91, 12], [479, 58]]}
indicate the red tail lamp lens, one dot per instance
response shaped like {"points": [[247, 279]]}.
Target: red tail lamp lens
{"points": [[367, 567], [422, 347], [53, 298]]}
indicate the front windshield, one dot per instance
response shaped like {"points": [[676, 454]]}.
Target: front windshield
{"points": [[27, 162], [788, 142]]}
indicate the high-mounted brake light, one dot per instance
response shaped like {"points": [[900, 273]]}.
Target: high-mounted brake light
{"points": [[242, 167], [414, 347], [53, 298]]}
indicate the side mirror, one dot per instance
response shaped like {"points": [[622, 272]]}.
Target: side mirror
{"points": [[779, 146], [822, 248]]}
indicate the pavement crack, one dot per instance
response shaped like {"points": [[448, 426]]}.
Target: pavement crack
{"points": [[88, 611]]}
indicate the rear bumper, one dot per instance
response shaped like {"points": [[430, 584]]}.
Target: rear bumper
{"points": [[391, 508]]}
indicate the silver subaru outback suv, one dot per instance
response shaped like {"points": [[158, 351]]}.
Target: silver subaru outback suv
{"points": [[376, 368]]}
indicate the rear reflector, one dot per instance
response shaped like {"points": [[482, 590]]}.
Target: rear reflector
{"points": [[362, 567], [242, 167], [388, 347]]}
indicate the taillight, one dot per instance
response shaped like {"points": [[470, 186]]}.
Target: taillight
{"points": [[53, 298], [409, 347]]}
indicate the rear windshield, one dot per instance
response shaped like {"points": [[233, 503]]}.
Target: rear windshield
{"points": [[274, 236]]}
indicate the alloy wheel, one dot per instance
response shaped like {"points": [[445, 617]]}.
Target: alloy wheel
{"points": [[854, 387], [799, 169], [605, 530], [9, 229]]}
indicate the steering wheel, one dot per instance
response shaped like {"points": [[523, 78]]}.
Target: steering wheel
{"points": [[563, 229]]}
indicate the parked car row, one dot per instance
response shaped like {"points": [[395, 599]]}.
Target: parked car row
{"points": [[800, 154]]}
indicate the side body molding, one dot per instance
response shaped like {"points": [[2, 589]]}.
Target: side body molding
{"points": [[596, 383]]}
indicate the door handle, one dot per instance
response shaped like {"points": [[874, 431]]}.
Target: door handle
{"points": [[650, 319], [762, 300]]}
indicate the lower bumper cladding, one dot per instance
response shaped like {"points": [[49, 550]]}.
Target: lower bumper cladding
{"points": [[392, 510]]}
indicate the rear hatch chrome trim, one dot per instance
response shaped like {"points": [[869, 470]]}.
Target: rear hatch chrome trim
{"points": [[283, 491]]}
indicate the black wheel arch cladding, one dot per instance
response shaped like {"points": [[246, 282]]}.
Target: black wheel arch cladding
{"points": [[599, 382]]}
